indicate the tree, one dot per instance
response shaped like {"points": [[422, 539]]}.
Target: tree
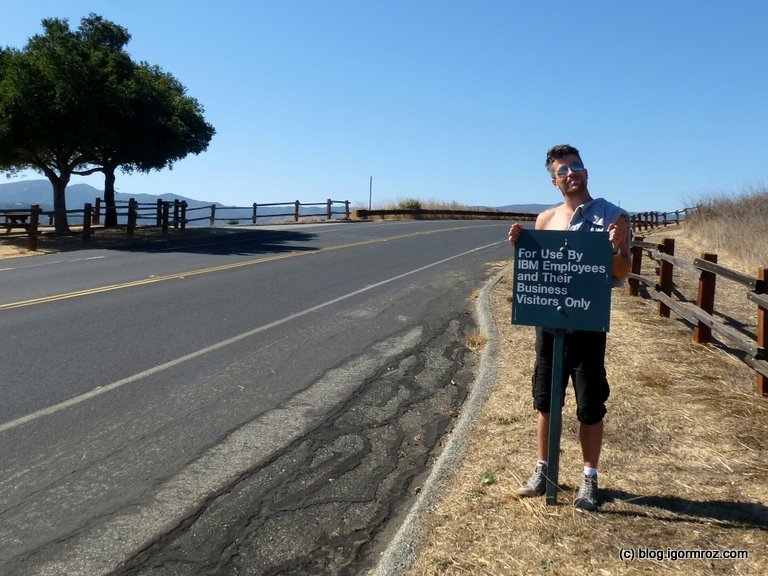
{"points": [[157, 125], [43, 101], [75, 103], [145, 119]]}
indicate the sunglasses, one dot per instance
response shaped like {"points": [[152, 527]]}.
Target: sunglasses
{"points": [[574, 166]]}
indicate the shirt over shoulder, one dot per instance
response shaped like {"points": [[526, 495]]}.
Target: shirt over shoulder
{"points": [[595, 215]]}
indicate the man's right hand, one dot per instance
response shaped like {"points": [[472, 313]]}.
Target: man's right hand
{"points": [[514, 233]]}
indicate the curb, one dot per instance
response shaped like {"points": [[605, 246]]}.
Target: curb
{"points": [[402, 550]]}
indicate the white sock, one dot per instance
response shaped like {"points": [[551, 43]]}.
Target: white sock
{"points": [[590, 471], [544, 462]]}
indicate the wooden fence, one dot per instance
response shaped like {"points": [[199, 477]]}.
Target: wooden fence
{"points": [[649, 220], [700, 314], [160, 214], [215, 212], [428, 214]]}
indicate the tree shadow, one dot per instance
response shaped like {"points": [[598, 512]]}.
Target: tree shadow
{"points": [[734, 512], [214, 241], [224, 242]]}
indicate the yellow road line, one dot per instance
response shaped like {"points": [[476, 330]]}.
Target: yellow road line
{"points": [[181, 275]]}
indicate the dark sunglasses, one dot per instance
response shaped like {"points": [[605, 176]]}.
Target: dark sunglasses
{"points": [[575, 166]]}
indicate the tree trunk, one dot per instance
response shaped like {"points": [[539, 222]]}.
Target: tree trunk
{"points": [[110, 217], [60, 221]]}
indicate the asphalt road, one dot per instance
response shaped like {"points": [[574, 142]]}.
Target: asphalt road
{"points": [[265, 403]]}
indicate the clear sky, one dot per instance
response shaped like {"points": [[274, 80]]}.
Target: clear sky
{"points": [[454, 101]]}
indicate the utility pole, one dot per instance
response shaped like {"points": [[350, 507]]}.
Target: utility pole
{"points": [[370, 192]]}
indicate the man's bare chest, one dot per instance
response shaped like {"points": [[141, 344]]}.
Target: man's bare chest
{"points": [[559, 221]]}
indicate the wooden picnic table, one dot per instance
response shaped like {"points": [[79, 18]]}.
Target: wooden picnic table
{"points": [[16, 220]]}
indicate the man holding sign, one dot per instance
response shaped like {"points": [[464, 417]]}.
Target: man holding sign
{"points": [[584, 351]]}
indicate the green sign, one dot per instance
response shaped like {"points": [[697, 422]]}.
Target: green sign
{"points": [[563, 280]]}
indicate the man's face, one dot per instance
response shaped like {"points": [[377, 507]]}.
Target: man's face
{"points": [[572, 182]]}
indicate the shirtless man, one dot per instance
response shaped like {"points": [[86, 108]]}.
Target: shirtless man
{"points": [[584, 351]]}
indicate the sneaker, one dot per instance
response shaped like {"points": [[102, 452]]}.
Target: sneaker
{"points": [[537, 483], [587, 498]]}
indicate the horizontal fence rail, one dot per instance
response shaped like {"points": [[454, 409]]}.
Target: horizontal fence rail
{"points": [[162, 214], [701, 314], [364, 214], [294, 210]]}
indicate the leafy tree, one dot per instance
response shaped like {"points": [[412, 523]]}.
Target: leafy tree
{"points": [[157, 125], [75, 103], [44, 100]]}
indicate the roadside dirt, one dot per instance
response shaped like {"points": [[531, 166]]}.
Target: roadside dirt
{"points": [[16, 245], [682, 473]]}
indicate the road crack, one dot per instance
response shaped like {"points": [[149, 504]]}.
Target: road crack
{"points": [[330, 500]]}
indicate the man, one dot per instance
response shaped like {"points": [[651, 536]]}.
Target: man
{"points": [[584, 358]]}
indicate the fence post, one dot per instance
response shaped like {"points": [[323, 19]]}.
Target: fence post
{"points": [[346, 209], [213, 214], [329, 213], [164, 218], [132, 216], [677, 217], [176, 213], [34, 221], [87, 215], [705, 300], [761, 386], [254, 212], [296, 211], [183, 214], [665, 275], [636, 267], [97, 212]]}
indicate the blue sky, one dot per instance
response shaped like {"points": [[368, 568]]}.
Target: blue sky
{"points": [[454, 101]]}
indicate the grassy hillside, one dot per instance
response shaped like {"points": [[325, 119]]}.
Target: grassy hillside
{"points": [[734, 225]]}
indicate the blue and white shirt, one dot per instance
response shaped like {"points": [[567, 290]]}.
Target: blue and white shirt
{"points": [[594, 216]]}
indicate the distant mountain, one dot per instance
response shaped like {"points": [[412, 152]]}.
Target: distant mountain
{"points": [[524, 208], [28, 192]]}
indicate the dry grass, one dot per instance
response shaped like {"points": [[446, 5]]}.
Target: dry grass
{"points": [[734, 226], [475, 341], [429, 204], [683, 467]]}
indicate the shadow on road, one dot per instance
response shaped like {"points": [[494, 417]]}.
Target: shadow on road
{"points": [[225, 242], [218, 241]]}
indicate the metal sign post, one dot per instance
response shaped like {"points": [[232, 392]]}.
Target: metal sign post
{"points": [[562, 282], [555, 417]]}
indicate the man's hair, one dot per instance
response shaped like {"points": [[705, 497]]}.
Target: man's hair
{"points": [[557, 152]]}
